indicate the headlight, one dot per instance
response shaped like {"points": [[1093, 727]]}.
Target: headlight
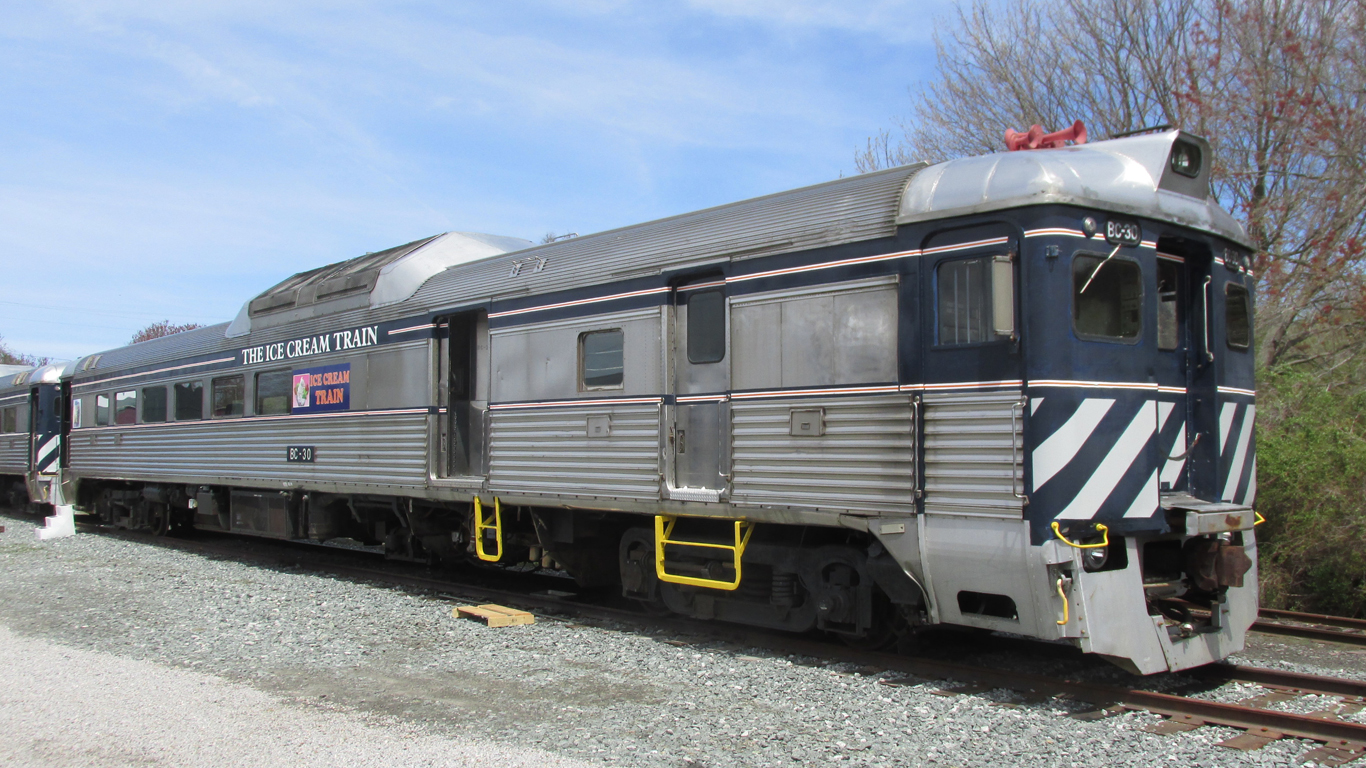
{"points": [[1094, 559], [1185, 159]]}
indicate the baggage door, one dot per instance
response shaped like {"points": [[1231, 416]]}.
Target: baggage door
{"points": [[462, 398], [701, 425]]}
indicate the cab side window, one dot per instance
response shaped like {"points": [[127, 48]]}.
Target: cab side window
{"points": [[1237, 316], [1107, 298], [963, 298]]}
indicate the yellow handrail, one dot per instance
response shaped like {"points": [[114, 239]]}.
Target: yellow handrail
{"points": [[481, 525], [1066, 617], [1101, 528], [664, 527]]}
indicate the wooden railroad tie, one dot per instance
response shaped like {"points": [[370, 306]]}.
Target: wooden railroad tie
{"points": [[495, 615]]}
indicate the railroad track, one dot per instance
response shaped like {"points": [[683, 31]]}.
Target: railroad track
{"points": [[1341, 741], [1311, 626]]}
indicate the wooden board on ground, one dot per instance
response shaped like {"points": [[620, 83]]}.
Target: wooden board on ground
{"points": [[495, 615]]}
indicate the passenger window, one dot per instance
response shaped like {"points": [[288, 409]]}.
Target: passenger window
{"points": [[1237, 316], [1168, 311], [706, 327], [101, 410], [126, 407], [154, 405], [1107, 298], [189, 401], [9, 420], [229, 396], [601, 359], [964, 301], [273, 392]]}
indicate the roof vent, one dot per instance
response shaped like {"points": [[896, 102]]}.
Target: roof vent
{"points": [[1035, 138]]}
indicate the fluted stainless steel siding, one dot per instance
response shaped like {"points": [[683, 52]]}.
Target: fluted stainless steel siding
{"points": [[548, 451], [973, 449], [13, 454], [864, 461], [382, 449]]}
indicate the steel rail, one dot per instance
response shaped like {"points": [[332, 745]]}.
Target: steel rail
{"points": [[1342, 622], [1311, 626]]}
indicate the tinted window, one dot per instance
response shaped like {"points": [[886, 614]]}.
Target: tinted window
{"points": [[126, 407], [189, 401], [1168, 311], [601, 353], [706, 327], [101, 410], [229, 396], [1237, 316], [273, 392], [1107, 298], [964, 301], [154, 404], [9, 420]]}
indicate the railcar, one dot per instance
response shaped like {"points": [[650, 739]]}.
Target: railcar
{"points": [[32, 433], [1011, 392]]}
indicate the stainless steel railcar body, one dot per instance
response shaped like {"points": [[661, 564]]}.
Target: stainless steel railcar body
{"points": [[893, 385], [32, 433]]}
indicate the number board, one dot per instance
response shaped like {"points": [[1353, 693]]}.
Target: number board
{"points": [[299, 454], [1123, 232]]}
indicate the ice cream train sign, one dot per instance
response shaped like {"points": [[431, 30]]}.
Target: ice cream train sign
{"points": [[327, 388], [321, 388], [337, 341]]}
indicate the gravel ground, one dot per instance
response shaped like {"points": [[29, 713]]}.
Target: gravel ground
{"points": [[350, 673]]}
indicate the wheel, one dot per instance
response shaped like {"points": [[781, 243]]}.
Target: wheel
{"points": [[159, 519]]}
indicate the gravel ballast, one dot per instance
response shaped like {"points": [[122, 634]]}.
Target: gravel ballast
{"points": [[244, 664]]}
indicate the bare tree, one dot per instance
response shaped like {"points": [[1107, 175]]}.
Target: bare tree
{"points": [[10, 357], [1276, 85], [162, 328]]}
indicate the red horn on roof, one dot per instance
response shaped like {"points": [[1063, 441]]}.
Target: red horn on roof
{"points": [[1035, 138]]}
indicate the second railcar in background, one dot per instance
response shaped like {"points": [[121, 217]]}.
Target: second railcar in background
{"points": [[1012, 392]]}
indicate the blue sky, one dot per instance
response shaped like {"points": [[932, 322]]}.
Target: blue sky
{"points": [[168, 160]]}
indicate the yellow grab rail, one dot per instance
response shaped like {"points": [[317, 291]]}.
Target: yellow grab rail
{"points": [[481, 525], [1065, 615], [664, 527], [1101, 528]]}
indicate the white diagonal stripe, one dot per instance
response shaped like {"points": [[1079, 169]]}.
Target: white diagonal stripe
{"points": [[1061, 447], [1172, 469], [1145, 504], [1034, 403], [1225, 422], [1112, 469], [1235, 468], [47, 449], [1164, 412], [1250, 495]]}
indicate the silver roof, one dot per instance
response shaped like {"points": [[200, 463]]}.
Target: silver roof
{"points": [[842, 211], [373, 280], [1128, 175]]}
